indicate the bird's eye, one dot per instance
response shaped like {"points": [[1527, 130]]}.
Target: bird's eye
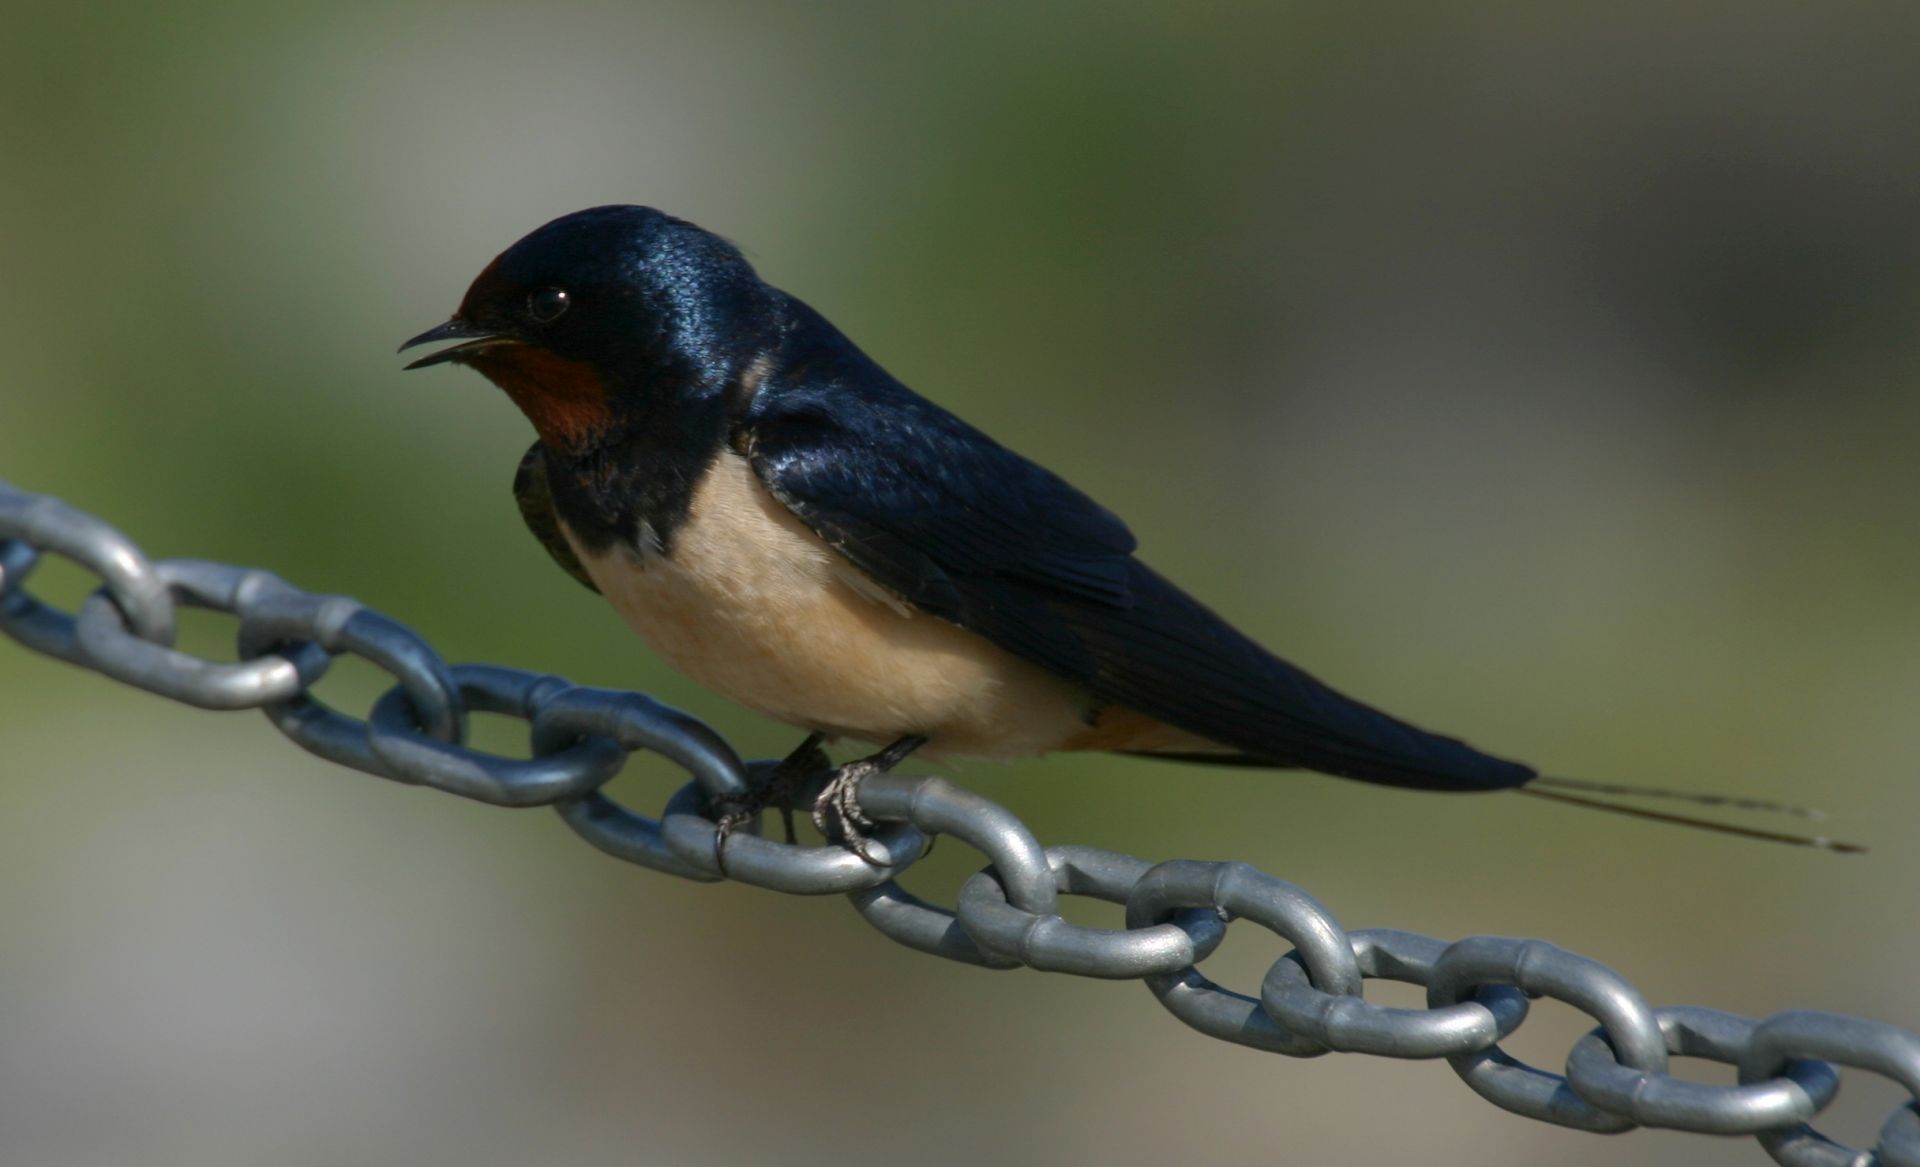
{"points": [[546, 305]]}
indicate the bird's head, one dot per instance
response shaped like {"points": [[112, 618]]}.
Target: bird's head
{"points": [[602, 310]]}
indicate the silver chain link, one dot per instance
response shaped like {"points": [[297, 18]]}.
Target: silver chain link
{"points": [[1006, 916]]}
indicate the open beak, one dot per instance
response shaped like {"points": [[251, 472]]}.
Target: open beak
{"points": [[455, 329]]}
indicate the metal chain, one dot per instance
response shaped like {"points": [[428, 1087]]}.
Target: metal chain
{"points": [[1007, 915]]}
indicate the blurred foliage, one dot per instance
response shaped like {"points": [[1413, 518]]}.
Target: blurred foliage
{"points": [[1543, 373]]}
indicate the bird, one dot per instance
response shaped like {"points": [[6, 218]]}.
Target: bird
{"points": [[782, 521]]}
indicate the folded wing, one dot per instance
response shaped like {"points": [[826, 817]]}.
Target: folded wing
{"points": [[971, 532]]}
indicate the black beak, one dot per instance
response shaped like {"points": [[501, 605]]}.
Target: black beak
{"points": [[455, 329]]}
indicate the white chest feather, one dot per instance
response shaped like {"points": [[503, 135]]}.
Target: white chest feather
{"points": [[752, 603]]}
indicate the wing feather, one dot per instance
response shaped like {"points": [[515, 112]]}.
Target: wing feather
{"points": [[535, 497], [971, 532]]}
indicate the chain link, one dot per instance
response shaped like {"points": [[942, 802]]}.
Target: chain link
{"points": [[1006, 916]]}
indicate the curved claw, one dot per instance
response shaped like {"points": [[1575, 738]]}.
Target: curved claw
{"points": [[777, 788], [739, 815], [837, 813]]}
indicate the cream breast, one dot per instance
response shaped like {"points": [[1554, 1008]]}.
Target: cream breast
{"points": [[751, 603]]}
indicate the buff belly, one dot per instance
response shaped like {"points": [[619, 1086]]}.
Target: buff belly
{"points": [[754, 605]]}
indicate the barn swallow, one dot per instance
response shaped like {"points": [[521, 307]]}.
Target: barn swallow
{"points": [[784, 522]]}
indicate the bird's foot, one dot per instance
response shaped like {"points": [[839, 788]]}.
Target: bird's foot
{"points": [[780, 788], [836, 812]]}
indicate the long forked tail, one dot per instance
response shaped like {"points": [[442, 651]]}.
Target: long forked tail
{"points": [[1555, 790]]}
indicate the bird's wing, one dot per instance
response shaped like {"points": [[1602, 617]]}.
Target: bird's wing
{"points": [[535, 497], [975, 534], [956, 525]]}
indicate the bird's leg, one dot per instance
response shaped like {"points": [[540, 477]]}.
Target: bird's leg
{"points": [[836, 812], [807, 762], [778, 789]]}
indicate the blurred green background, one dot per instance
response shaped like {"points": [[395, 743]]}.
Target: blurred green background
{"points": [[1544, 373]]}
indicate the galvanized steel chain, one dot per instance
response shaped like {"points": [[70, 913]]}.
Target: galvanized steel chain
{"points": [[1006, 916]]}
